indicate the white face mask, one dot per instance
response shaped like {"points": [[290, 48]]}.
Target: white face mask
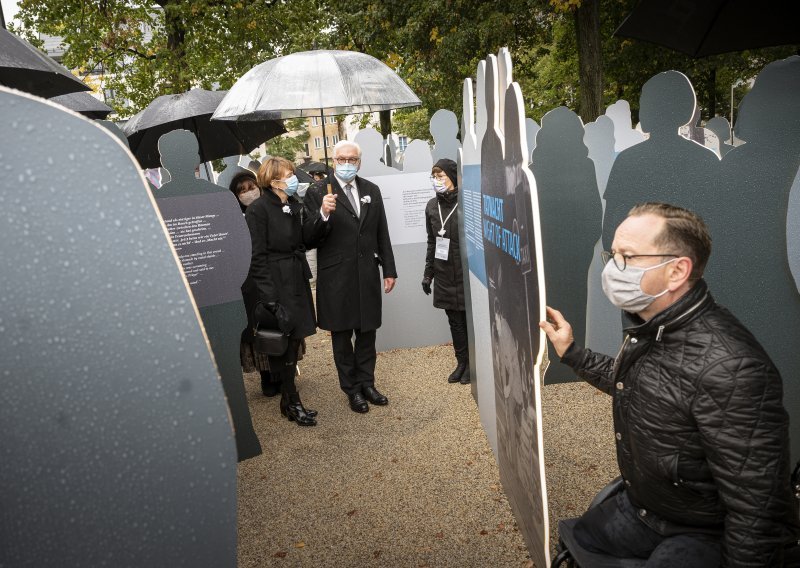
{"points": [[439, 186], [302, 188], [247, 197], [623, 288]]}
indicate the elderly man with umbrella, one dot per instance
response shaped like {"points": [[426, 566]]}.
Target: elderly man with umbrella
{"points": [[357, 247]]}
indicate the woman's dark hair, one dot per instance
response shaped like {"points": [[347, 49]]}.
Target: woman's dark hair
{"points": [[240, 178]]}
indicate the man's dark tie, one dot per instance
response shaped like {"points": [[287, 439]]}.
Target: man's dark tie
{"points": [[348, 191]]}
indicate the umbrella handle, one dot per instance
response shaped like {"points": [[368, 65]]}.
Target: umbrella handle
{"points": [[325, 150]]}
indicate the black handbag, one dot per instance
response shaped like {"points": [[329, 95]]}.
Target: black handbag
{"points": [[270, 342]]}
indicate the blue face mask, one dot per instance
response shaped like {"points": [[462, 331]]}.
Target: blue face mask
{"points": [[291, 185], [346, 171]]}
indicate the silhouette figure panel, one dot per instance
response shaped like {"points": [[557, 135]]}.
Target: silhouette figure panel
{"points": [[211, 238], [571, 217], [749, 271]]}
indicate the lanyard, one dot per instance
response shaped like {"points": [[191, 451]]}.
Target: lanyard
{"points": [[443, 221]]}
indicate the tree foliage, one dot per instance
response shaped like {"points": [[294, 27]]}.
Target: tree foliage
{"points": [[157, 47], [151, 48], [288, 145]]}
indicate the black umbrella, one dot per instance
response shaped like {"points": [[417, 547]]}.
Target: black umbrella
{"points": [[85, 104], [314, 168], [708, 27], [191, 111], [24, 67]]}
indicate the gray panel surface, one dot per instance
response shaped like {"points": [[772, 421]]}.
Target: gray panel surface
{"points": [[117, 446], [572, 217], [409, 318], [749, 272]]}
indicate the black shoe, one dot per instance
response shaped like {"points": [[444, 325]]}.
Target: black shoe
{"points": [[296, 413], [456, 375], [285, 405], [375, 397], [465, 378], [269, 386], [357, 402]]}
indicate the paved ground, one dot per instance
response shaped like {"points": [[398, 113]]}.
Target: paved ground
{"points": [[411, 484]]}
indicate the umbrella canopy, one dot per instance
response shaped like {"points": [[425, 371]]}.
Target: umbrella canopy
{"points": [[314, 168], [192, 111], [315, 83], [24, 67], [85, 104], [708, 27]]}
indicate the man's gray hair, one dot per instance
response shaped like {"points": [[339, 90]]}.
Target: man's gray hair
{"points": [[341, 144]]}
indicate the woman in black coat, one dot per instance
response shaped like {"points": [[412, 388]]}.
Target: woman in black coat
{"points": [[443, 262], [245, 187], [282, 231]]}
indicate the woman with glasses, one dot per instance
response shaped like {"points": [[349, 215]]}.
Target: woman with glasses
{"points": [[281, 233], [443, 262]]}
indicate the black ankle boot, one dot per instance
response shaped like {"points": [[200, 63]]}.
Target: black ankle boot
{"points": [[285, 405], [456, 375], [465, 378], [269, 386], [294, 411]]}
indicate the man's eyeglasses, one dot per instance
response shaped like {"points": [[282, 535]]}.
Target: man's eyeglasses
{"points": [[343, 161], [621, 260]]}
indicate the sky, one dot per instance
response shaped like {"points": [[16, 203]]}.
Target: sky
{"points": [[9, 9]]}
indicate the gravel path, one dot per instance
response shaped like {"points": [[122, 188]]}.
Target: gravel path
{"points": [[410, 484]]}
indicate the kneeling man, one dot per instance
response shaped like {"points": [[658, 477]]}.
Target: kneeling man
{"points": [[701, 432]]}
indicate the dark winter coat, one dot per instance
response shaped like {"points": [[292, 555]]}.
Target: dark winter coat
{"points": [[701, 432], [447, 275], [350, 258], [278, 266]]}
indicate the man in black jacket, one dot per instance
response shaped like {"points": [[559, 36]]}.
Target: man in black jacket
{"points": [[349, 264], [701, 431]]}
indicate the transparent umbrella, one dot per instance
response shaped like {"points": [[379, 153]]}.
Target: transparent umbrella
{"points": [[315, 83]]}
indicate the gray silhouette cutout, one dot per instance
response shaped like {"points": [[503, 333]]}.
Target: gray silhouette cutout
{"points": [[212, 240], [417, 157], [572, 216], [722, 130], [624, 135], [372, 149], [116, 439], [666, 167], [749, 272], [252, 165], [603, 324], [232, 169], [444, 129], [531, 129]]}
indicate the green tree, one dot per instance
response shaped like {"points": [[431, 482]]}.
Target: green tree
{"points": [[288, 145], [146, 49]]}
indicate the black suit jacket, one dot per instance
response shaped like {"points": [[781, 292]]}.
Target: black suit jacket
{"points": [[349, 285]]}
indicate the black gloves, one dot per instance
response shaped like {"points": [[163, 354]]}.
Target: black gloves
{"points": [[426, 286], [283, 317]]}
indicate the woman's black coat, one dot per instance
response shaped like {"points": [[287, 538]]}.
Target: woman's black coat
{"points": [[447, 275], [278, 266]]}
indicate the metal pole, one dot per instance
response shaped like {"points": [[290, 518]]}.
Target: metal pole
{"points": [[731, 124], [325, 151], [2, 17]]}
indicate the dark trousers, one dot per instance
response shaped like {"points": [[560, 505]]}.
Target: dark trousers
{"points": [[458, 330], [355, 364], [613, 527], [282, 368]]}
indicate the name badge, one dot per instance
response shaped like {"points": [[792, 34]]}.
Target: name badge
{"points": [[442, 248]]}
